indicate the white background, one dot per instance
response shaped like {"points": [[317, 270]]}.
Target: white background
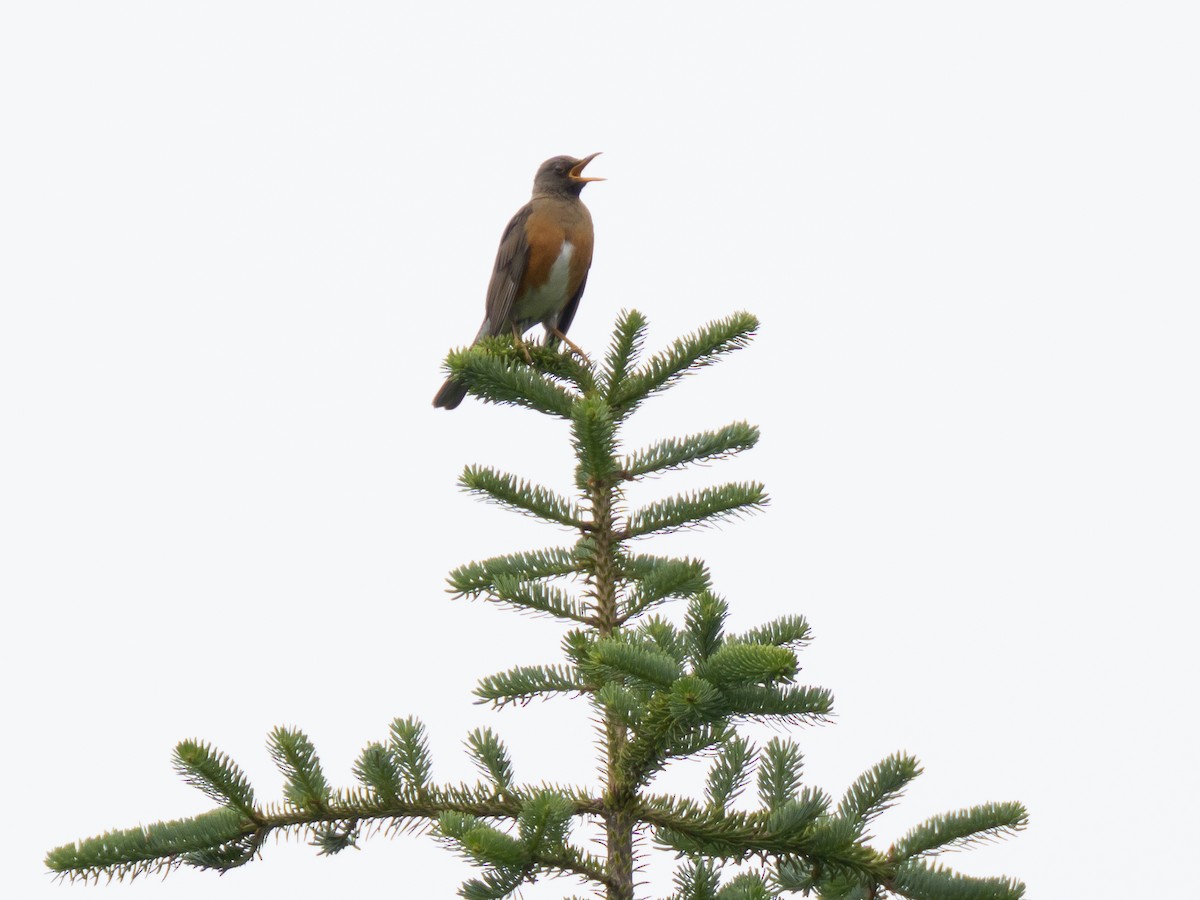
{"points": [[238, 239]]}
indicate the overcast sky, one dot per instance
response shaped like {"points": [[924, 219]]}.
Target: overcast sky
{"points": [[238, 238]]}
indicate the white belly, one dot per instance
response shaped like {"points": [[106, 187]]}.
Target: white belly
{"points": [[539, 304]]}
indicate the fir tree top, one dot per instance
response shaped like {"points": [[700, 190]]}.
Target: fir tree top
{"points": [[660, 691]]}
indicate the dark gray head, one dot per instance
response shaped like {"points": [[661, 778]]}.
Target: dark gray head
{"points": [[562, 176]]}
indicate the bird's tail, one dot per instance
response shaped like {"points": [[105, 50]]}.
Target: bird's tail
{"points": [[451, 394]]}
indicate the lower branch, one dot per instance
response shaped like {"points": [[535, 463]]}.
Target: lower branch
{"points": [[225, 838]]}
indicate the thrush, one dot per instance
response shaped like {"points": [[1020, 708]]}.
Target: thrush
{"points": [[542, 265]]}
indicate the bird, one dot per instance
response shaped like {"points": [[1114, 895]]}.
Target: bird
{"points": [[542, 265]]}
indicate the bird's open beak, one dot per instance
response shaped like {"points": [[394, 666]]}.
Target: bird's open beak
{"points": [[578, 167]]}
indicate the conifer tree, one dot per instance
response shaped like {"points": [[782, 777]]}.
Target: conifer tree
{"points": [[659, 692]]}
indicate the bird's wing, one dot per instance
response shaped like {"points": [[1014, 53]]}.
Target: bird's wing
{"points": [[512, 259], [568, 311]]}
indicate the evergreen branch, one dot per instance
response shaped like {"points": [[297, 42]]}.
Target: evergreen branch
{"points": [[493, 885], [685, 724], [542, 824], [657, 579], [647, 568], [729, 773], [477, 578], [834, 836], [797, 703], [779, 769], [629, 337], [484, 845], [622, 704], [643, 664], [453, 824], [875, 790], [429, 802], [515, 493], [798, 875], [696, 880], [955, 830], [577, 644], [493, 847], [565, 366], [683, 720], [294, 754], [137, 851], [735, 665], [682, 826], [583, 803], [786, 631], [837, 866], [204, 767], [688, 353], [658, 633], [491, 377], [674, 453], [376, 769], [223, 837], [704, 625], [523, 683], [544, 821], [794, 818], [674, 513], [491, 757], [747, 886], [594, 438], [226, 856], [692, 700], [572, 861], [334, 838], [918, 881], [410, 752], [684, 815], [537, 597]]}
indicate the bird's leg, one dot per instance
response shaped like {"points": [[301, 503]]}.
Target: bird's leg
{"points": [[571, 346], [521, 344]]}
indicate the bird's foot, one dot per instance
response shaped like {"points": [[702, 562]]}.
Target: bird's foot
{"points": [[572, 346], [521, 346]]}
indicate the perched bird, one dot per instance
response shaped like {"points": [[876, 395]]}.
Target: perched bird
{"points": [[542, 264]]}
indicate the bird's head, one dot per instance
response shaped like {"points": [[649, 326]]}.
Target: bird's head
{"points": [[563, 175]]}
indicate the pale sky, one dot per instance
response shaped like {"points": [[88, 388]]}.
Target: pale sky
{"points": [[238, 238]]}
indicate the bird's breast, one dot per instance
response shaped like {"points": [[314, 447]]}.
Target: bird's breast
{"points": [[540, 300]]}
